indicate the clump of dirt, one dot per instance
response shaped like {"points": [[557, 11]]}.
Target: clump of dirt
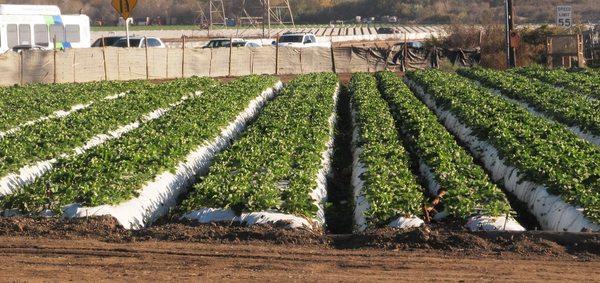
{"points": [[448, 237], [104, 227], [226, 232]]}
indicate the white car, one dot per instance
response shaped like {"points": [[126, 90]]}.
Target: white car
{"points": [[139, 42], [297, 40]]}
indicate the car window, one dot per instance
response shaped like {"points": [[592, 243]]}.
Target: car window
{"points": [[291, 39], [57, 31], [237, 44], [12, 35], [24, 34], [40, 35], [313, 38], [153, 42], [307, 39], [72, 33], [132, 42], [223, 43]]}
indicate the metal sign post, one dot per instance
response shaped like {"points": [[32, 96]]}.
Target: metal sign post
{"points": [[124, 8], [127, 21], [511, 60]]}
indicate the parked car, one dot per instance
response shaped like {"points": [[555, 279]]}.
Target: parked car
{"points": [[244, 44], [386, 30], [106, 41], [139, 42], [221, 42], [297, 40]]}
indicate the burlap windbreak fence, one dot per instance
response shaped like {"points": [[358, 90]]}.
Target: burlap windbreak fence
{"points": [[95, 64]]}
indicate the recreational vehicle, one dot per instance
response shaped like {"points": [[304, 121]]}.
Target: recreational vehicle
{"points": [[42, 25]]}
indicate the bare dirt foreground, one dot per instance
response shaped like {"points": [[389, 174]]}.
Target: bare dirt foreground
{"points": [[97, 249]]}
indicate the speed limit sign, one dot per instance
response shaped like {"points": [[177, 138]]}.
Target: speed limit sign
{"points": [[564, 16]]}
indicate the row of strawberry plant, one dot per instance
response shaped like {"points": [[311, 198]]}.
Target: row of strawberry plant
{"points": [[579, 82], [21, 104], [542, 151], [463, 186], [120, 169], [565, 107], [385, 189], [275, 165], [49, 139]]}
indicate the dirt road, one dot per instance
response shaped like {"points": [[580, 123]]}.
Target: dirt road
{"points": [[48, 259]]}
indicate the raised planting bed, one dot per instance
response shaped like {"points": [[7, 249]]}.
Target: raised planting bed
{"points": [[138, 177], [580, 114], [22, 105], [386, 192], [32, 151], [584, 83], [539, 161], [457, 183], [277, 171]]}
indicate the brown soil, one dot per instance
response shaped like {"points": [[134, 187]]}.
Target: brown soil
{"points": [[92, 249]]}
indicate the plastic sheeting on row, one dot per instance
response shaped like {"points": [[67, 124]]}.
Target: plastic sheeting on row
{"points": [[95, 64], [418, 58]]}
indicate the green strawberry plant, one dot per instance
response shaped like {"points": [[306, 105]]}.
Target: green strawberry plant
{"points": [[469, 190], [544, 151], [566, 107], [116, 170], [389, 185]]}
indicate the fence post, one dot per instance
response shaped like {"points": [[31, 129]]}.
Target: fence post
{"points": [[103, 59], [167, 65], [277, 55], [21, 69], [251, 51], [333, 59], [367, 49], [183, 56], [73, 66], [54, 55], [146, 47], [230, 54], [301, 64], [210, 62], [404, 53]]}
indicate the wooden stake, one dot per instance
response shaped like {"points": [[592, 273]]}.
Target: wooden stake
{"points": [[147, 66], [167, 65], [22, 60], [301, 66], [333, 60], [367, 58], [404, 53], [54, 55], [104, 59], [230, 54], [277, 55], [183, 56]]}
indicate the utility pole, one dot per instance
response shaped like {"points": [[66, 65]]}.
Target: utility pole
{"points": [[511, 60]]}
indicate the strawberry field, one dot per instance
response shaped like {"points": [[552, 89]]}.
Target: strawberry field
{"points": [[481, 148]]}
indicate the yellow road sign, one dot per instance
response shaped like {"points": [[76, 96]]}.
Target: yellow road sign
{"points": [[124, 7]]}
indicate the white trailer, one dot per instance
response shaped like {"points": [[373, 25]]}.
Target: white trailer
{"points": [[42, 25]]}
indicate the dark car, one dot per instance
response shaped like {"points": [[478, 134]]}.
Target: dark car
{"points": [[106, 41], [386, 31], [217, 43]]}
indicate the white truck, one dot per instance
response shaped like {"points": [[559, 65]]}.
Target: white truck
{"points": [[301, 40], [41, 26]]}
